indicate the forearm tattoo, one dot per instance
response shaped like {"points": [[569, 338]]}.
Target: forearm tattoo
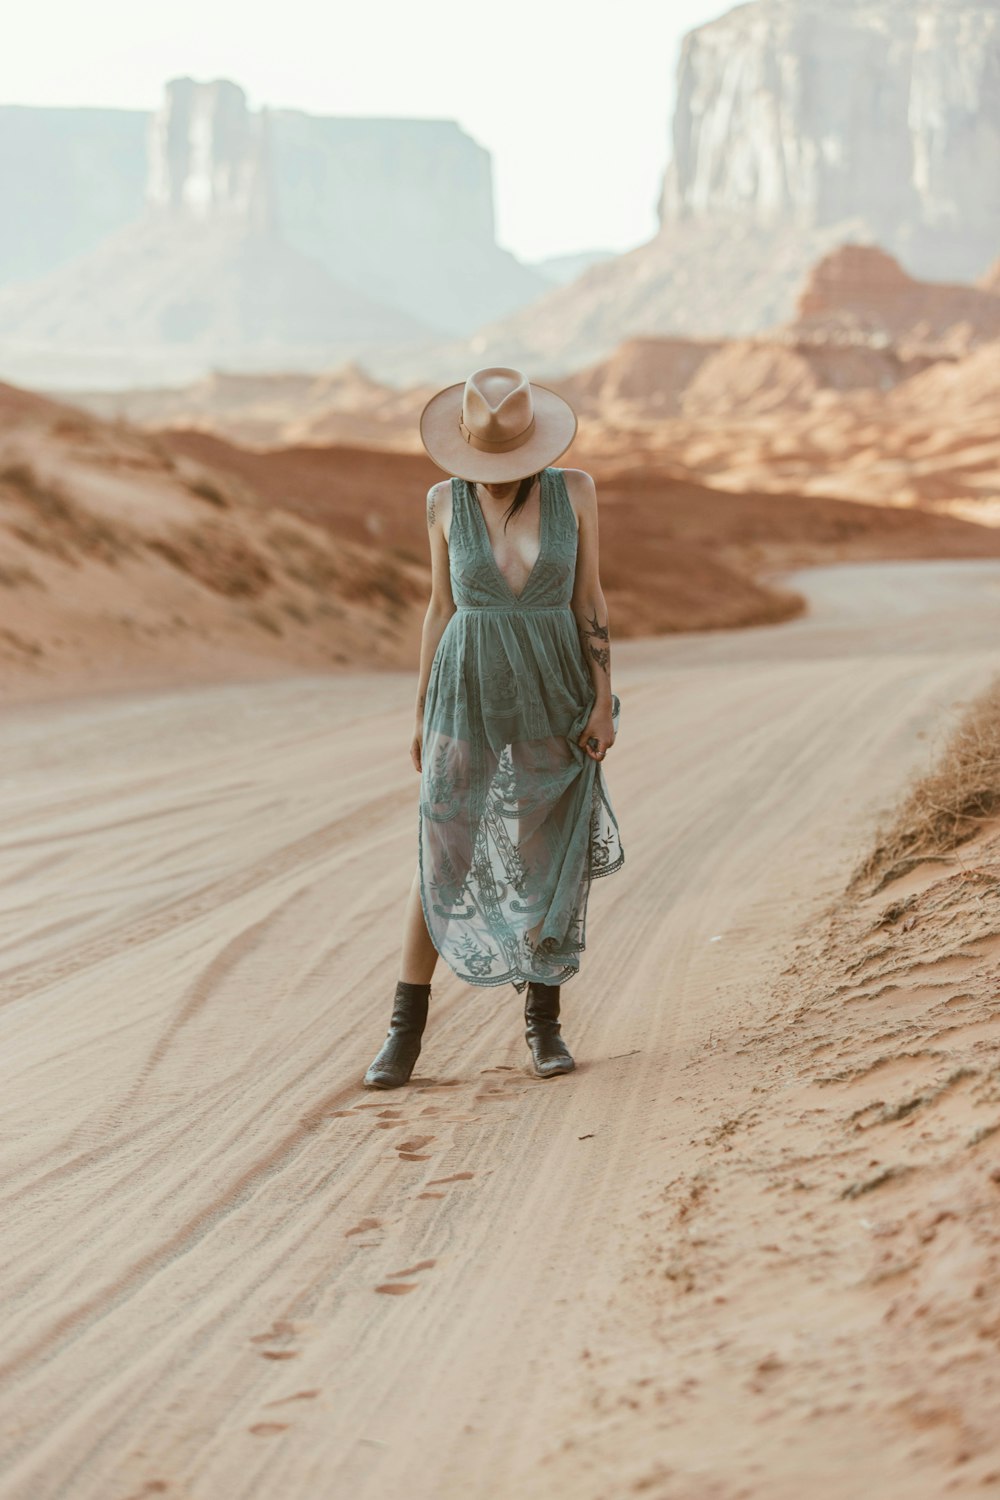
{"points": [[595, 632]]}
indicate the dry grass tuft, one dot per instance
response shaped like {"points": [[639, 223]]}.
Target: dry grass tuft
{"points": [[207, 489], [947, 805], [54, 523], [218, 559], [13, 576], [305, 562]]}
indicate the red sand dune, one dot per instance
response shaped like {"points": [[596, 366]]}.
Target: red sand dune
{"points": [[135, 555], [122, 563], [675, 553]]}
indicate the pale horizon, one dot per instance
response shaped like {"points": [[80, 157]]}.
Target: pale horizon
{"points": [[602, 104]]}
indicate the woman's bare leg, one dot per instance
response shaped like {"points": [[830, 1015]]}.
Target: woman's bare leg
{"points": [[419, 953]]}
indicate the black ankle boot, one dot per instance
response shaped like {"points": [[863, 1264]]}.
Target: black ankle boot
{"points": [[401, 1048], [541, 1013]]}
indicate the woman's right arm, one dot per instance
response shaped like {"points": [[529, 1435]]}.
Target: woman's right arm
{"points": [[441, 606]]}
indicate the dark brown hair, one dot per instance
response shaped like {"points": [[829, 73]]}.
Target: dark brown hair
{"points": [[520, 499]]}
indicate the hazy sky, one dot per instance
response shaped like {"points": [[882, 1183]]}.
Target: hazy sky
{"points": [[572, 100]]}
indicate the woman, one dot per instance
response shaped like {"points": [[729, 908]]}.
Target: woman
{"points": [[515, 714]]}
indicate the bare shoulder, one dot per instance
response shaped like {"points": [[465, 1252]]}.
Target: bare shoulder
{"points": [[582, 491], [439, 506]]}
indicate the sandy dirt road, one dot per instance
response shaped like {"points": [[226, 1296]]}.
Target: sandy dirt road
{"points": [[229, 1271]]}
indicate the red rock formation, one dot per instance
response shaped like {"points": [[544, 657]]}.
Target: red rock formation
{"points": [[860, 291]]}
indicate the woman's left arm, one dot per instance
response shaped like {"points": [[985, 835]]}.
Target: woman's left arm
{"points": [[591, 611]]}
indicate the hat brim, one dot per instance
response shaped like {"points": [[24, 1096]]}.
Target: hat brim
{"points": [[554, 430]]}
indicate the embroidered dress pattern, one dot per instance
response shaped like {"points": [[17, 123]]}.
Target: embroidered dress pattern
{"points": [[515, 819]]}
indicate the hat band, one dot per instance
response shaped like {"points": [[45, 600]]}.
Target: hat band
{"points": [[498, 445]]}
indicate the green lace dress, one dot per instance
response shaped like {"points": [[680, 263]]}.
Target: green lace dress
{"points": [[515, 820]]}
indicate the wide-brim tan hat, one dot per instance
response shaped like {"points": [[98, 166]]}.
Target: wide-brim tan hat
{"points": [[498, 425]]}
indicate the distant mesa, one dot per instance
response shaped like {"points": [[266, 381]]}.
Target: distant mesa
{"points": [[202, 235], [267, 238]]}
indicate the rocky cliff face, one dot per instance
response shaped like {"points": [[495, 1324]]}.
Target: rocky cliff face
{"points": [[798, 112], [800, 125], [208, 157]]}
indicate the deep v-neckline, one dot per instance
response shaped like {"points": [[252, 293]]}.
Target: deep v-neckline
{"points": [[543, 512]]}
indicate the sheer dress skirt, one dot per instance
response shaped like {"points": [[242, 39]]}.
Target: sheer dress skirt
{"points": [[514, 816]]}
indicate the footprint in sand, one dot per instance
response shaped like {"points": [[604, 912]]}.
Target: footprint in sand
{"points": [[396, 1288], [279, 1354], [431, 1195], [421, 1265], [268, 1429], [295, 1396], [415, 1143], [455, 1177], [362, 1227], [281, 1328]]}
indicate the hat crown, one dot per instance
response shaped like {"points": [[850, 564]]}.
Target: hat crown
{"points": [[496, 405], [496, 426]]}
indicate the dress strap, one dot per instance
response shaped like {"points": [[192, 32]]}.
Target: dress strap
{"points": [[458, 511], [565, 504]]}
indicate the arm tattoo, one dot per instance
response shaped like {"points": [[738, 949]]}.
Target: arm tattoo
{"points": [[602, 656], [431, 510], [601, 631], [596, 631]]}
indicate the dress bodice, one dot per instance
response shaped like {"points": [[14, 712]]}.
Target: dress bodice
{"points": [[476, 579]]}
